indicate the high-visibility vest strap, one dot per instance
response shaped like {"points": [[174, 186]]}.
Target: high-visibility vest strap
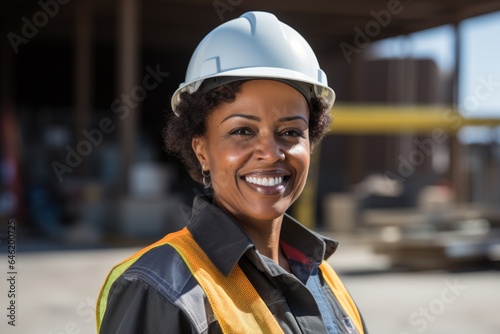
{"points": [[235, 302], [342, 295]]}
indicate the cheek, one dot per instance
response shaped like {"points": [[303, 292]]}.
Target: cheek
{"points": [[221, 179], [226, 159], [301, 155], [227, 154], [301, 160]]}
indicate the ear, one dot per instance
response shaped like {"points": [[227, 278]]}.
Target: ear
{"points": [[199, 145]]}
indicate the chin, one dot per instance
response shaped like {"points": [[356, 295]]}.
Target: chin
{"points": [[267, 212]]}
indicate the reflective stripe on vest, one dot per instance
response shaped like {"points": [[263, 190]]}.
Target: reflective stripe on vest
{"points": [[342, 295], [235, 302]]}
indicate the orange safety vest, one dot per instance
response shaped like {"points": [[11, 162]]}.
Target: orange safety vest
{"points": [[235, 302]]}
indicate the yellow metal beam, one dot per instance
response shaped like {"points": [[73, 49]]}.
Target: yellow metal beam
{"points": [[383, 119]]}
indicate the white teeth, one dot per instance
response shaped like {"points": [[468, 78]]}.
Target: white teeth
{"points": [[264, 181]]}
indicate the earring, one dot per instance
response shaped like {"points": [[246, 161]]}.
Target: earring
{"points": [[206, 177]]}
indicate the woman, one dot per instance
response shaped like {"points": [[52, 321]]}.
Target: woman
{"points": [[254, 104]]}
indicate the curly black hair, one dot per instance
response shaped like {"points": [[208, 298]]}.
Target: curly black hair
{"points": [[180, 130]]}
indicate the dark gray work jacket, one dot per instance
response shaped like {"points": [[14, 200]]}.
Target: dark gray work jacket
{"points": [[158, 293]]}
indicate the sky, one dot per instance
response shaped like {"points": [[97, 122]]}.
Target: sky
{"points": [[481, 61], [479, 80]]}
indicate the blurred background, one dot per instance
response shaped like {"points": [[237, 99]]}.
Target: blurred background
{"points": [[408, 178]]}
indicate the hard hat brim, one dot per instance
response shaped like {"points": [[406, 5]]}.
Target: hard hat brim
{"points": [[321, 90]]}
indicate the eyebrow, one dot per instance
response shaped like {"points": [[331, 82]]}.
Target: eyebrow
{"points": [[250, 117], [255, 118], [291, 118]]}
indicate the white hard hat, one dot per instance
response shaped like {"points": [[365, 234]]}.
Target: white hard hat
{"points": [[255, 45]]}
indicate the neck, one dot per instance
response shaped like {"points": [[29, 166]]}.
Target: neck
{"points": [[266, 238], [265, 234]]}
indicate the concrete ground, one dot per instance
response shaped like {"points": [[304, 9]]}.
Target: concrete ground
{"points": [[56, 293]]}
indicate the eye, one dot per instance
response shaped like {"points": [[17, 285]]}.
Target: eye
{"points": [[292, 133], [241, 132]]}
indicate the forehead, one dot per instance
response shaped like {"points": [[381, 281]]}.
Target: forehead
{"points": [[265, 98]]}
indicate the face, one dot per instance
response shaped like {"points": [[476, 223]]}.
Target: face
{"points": [[257, 150]]}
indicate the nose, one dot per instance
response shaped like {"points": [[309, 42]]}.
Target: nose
{"points": [[268, 148]]}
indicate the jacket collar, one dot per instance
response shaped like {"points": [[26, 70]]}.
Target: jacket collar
{"points": [[225, 242], [217, 234], [313, 245]]}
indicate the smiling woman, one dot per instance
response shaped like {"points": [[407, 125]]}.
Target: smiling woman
{"points": [[254, 104]]}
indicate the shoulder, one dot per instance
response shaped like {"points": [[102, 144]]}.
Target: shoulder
{"points": [[164, 270], [161, 272]]}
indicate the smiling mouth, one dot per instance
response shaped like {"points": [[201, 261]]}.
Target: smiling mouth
{"points": [[264, 181]]}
